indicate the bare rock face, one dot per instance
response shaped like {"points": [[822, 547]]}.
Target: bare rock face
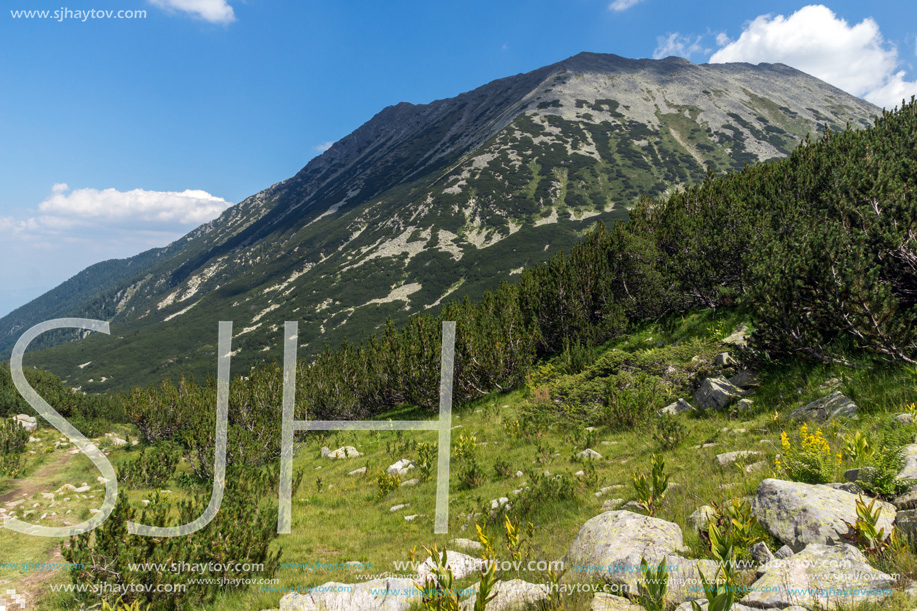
{"points": [[800, 514], [716, 393], [375, 595], [512, 595], [831, 407], [820, 576]]}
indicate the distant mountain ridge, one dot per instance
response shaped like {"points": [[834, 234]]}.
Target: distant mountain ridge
{"points": [[426, 203]]}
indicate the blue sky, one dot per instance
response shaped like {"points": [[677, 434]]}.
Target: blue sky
{"points": [[117, 135]]}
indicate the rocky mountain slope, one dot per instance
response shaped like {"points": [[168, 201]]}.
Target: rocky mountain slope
{"points": [[433, 202]]}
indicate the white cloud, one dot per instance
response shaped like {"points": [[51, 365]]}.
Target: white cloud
{"points": [[623, 5], [324, 146], [854, 58], [214, 11], [678, 44]]}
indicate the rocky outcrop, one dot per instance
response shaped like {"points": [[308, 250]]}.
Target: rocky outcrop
{"points": [[676, 408], [716, 393], [375, 595], [800, 514], [832, 407], [820, 576]]}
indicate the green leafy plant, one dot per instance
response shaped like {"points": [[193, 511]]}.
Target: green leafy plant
{"points": [[651, 492], [720, 597], [386, 483], [857, 447], [471, 474], [865, 532], [152, 468], [669, 432], [464, 448], [652, 589], [438, 592], [502, 468], [426, 460]]}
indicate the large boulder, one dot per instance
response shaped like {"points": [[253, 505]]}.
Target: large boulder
{"points": [[716, 393], [344, 452], [799, 514], [909, 470], [462, 566], [375, 595], [820, 576], [27, 422], [831, 407], [512, 595]]}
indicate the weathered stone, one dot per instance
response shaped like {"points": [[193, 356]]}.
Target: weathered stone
{"points": [[909, 471], [611, 504], [784, 552], [700, 519], [864, 474], [760, 553], [512, 595], [612, 544], [745, 379], [799, 514], [400, 468], [325, 451], [360, 471], [610, 602], [462, 566], [399, 507], [830, 385], [345, 452], [745, 405], [903, 420], [676, 408], [846, 487], [832, 407], [410, 482], [742, 456], [716, 393], [27, 422], [467, 545], [738, 338], [822, 576], [908, 500], [375, 595], [723, 359], [906, 523], [589, 454]]}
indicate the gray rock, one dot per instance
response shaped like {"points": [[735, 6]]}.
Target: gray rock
{"points": [[761, 553], [614, 542], [723, 359], [610, 602], [846, 487], [821, 576], [903, 420], [325, 451], [784, 552], [360, 471], [467, 544], [864, 474], [830, 385], [745, 405], [632, 506], [756, 466], [832, 407], [27, 422], [745, 379], [742, 456], [700, 519], [738, 338], [909, 471], [799, 514], [512, 595], [400, 468], [589, 454], [462, 566], [906, 523], [676, 408], [344, 452], [908, 500], [716, 393], [375, 595], [611, 504], [399, 507], [410, 482]]}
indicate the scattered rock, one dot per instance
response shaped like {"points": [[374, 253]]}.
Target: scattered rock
{"points": [[411, 482], [799, 514], [906, 523], [700, 519], [864, 474], [611, 504], [117, 441], [360, 471], [784, 552], [903, 420], [467, 545], [745, 405], [909, 471], [908, 500], [830, 385], [375, 595], [832, 407], [413, 517], [512, 595], [498, 503], [676, 408], [345, 452], [723, 359], [820, 576], [400, 468], [520, 474], [724, 460], [325, 451], [756, 466], [589, 454], [27, 422], [738, 338], [399, 507], [745, 379], [761, 553], [716, 393], [462, 566], [632, 506]]}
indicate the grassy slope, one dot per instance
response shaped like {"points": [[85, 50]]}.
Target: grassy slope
{"points": [[340, 518]]}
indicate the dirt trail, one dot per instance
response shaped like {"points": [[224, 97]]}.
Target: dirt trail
{"points": [[29, 485]]}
